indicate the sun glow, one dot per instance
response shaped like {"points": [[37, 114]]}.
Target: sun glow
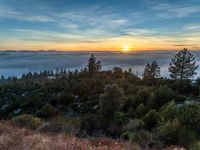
{"points": [[126, 48]]}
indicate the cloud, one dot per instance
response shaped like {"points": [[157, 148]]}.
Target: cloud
{"points": [[140, 32], [192, 27], [175, 10], [181, 45], [13, 14]]}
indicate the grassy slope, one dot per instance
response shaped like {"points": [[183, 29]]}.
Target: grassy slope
{"points": [[14, 138]]}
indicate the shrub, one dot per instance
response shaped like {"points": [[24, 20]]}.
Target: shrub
{"points": [[151, 119], [27, 121], [140, 111], [189, 115], [169, 132], [133, 125], [66, 98], [142, 96], [161, 96], [47, 111], [145, 138], [195, 145], [168, 111], [120, 118], [67, 125], [126, 135], [174, 133], [111, 100]]}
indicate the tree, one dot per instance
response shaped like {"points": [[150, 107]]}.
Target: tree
{"points": [[151, 71], [118, 72], [93, 65], [155, 69], [111, 100], [183, 65], [151, 119]]}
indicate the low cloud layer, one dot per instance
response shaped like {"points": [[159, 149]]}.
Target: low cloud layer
{"points": [[17, 63]]}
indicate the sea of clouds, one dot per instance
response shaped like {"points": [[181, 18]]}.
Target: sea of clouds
{"points": [[14, 63]]}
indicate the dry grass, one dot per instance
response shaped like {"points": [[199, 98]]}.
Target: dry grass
{"points": [[14, 138]]}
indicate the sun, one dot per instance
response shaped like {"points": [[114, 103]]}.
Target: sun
{"points": [[125, 48]]}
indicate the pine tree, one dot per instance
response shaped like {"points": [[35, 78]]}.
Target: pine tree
{"points": [[183, 65], [147, 71], [111, 100], [151, 71], [93, 65]]}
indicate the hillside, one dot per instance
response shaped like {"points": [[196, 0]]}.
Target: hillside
{"points": [[152, 111], [13, 138]]}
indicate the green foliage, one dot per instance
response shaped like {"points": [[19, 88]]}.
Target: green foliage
{"points": [[169, 132], [151, 119], [113, 103], [67, 125], [168, 111], [173, 132], [93, 65], [47, 111], [145, 138], [161, 96], [142, 96], [140, 111], [134, 125], [183, 65], [189, 115], [126, 135], [111, 100], [120, 118], [28, 121], [151, 71], [195, 145], [117, 72], [66, 98]]}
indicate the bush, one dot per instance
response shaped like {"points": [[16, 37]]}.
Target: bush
{"points": [[168, 111], [140, 111], [134, 125], [142, 96], [151, 119], [174, 133], [47, 111], [126, 135], [145, 138], [66, 98], [120, 118], [189, 115], [195, 146], [169, 132], [111, 100], [67, 125], [27, 121], [161, 96]]}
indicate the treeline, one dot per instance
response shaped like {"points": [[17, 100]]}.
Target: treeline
{"points": [[152, 111]]}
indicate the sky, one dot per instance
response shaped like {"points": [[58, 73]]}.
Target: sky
{"points": [[99, 25]]}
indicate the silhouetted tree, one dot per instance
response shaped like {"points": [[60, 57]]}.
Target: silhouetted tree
{"points": [[151, 71], [93, 65], [117, 72], [183, 65]]}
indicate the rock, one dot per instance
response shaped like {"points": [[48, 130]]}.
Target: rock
{"points": [[17, 111], [95, 107]]}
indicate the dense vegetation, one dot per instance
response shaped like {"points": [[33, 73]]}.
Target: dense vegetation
{"points": [[152, 111]]}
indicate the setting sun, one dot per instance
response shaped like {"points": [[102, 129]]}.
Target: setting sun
{"points": [[126, 48]]}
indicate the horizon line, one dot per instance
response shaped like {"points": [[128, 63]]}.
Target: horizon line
{"points": [[108, 51]]}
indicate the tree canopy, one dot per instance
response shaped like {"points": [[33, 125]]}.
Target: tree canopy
{"points": [[183, 65]]}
